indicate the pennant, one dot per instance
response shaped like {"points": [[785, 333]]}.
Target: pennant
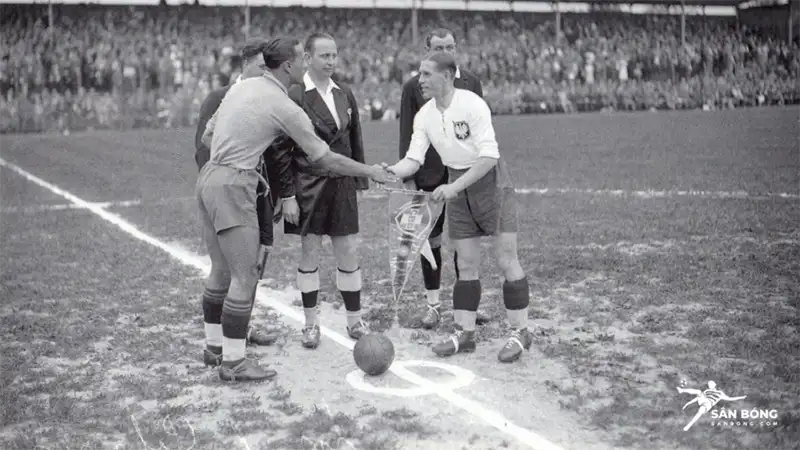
{"points": [[427, 253], [413, 215]]}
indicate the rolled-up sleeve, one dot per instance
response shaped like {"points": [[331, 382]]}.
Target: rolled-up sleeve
{"points": [[485, 140], [295, 123], [419, 140]]}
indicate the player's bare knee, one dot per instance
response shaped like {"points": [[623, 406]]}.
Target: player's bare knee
{"points": [[468, 268], [219, 278], [249, 276], [510, 267], [310, 250], [345, 249], [435, 241]]}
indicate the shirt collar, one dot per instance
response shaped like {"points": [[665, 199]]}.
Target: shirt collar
{"points": [[455, 93], [310, 86], [270, 77], [238, 79], [458, 72]]}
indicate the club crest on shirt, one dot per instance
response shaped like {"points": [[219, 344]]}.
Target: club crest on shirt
{"points": [[461, 129]]}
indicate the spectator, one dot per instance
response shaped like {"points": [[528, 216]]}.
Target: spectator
{"points": [[132, 66]]}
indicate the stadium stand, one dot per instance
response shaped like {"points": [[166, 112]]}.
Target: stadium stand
{"points": [[126, 67]]}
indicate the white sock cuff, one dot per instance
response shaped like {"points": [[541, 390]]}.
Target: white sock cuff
{"points": [[308, 281], [213, 334], [348, 281]]}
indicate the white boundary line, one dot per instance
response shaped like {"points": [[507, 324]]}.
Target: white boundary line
{"points": [[66, 206], [648, 194], [269, 298]]}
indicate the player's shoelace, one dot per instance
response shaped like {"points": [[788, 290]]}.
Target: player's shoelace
{"points": [[515, 339], [456, 339]]}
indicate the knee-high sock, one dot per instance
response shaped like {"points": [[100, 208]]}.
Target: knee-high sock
{"points": [[516, 296], [349, 284], [432, 277], [308, 283], [235, 320], [213, 299], [466, 298]]}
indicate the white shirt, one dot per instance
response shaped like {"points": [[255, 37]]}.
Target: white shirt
{"points": [[327, 96], [461, 134]]}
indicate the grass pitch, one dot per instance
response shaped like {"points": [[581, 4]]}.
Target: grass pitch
{"points": [[659, 246]]}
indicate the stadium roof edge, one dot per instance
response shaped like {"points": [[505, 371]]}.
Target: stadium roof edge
{"points": [[435, 4]]}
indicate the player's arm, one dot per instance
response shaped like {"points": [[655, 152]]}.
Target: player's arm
{"points": [[415, 156], [281, 160], [208, 134], [205, 114], [294, 122], [408, 109], [484, 139], [478, 86]]}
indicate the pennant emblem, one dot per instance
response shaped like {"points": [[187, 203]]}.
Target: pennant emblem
{"points": [[412, 220]]}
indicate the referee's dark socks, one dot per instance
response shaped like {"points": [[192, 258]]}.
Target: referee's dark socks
{"points": [[466, 298], [432, 277], [235, 320], [308, 284], [349, 284], [516, 296], [213, 300]]}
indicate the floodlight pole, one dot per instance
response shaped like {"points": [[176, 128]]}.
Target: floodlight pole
{"points": [[789, 24], [557, 6], [414, 24], [683, 23], [246, 20]]}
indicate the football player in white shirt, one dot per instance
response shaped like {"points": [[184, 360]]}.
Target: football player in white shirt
{"points": [[480, 201]]}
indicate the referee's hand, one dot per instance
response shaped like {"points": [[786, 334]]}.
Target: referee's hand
{"points": [[380, 175]]}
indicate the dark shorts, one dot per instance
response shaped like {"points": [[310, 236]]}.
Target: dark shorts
{"points": [[486, 208], [328, 206], [438, 227], [227, 197]]}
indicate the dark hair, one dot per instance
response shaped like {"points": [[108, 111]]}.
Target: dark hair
{"points": [[252, 48], [313, 38], [444, 61], [439, 33], [279, 50]]}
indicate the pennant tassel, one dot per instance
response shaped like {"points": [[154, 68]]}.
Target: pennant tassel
{"points": [[427, 253]]}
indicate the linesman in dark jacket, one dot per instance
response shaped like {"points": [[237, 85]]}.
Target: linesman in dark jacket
{"points": [[252, 66], [318, 203], [433, 173]]}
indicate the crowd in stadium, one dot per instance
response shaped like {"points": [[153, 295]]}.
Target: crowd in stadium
{"points": [[124, 67]]}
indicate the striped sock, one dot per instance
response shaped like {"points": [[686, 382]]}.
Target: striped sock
{"points": [[235, 321], [516, 296], [308, 284], [466, 298], [349, 284], [213, 300]]}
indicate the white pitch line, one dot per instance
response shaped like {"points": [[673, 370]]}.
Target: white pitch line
{"points": [[66, 206], [647, 194], [492, 418]]}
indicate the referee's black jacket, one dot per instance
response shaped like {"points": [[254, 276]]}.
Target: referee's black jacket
{"points": [[433, 172]]}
